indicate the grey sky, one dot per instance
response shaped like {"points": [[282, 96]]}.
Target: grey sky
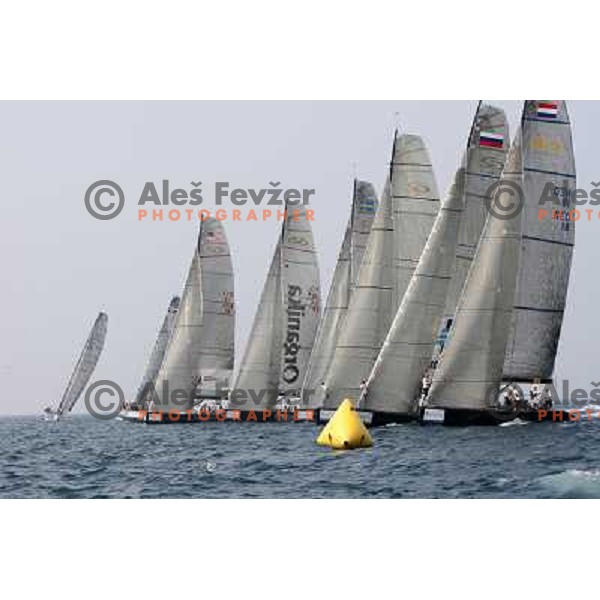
{"points": [[60, 266]]}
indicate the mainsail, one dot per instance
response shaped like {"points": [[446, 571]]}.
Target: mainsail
{"points": [[364, 206], [547, 242], [85, 365], [483, 162], [158, 353], [393, 385], [202, 343], [400, 230], [286, 320], [470, 369]]}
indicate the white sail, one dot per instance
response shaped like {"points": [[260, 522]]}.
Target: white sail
{"points": [[260, 367], [286, 320], [470, 368], [202, 340], [400, 230], [85, 365], [158, 352], [483, 161], [546, 242], [394, 383], [364, 206], [217, 342]]}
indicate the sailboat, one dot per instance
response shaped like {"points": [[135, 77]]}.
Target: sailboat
{"points": [[394, 385], [402, 224], [521, 268], [157, 355], [483, 162], [392, 388], [199, 357], [285, 324], [547, 243], [83, 369], [467, 380], [364, 207]]}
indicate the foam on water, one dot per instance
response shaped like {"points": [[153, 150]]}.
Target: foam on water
{"points": [[514, 422], [573, 483]]}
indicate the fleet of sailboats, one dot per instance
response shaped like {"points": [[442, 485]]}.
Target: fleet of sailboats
{"points": [[435, 309]]}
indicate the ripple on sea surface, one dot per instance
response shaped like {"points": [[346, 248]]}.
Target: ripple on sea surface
{"points": [[83, 458]]}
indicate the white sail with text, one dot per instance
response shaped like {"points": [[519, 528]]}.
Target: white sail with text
{"points": [[285, 324], [202, 343], [547, 242]]}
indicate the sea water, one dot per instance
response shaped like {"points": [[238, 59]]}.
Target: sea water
{"points": [[80, 457]]}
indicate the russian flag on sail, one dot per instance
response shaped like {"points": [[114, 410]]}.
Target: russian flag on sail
{"points": [[548, 109], [491, 139]]}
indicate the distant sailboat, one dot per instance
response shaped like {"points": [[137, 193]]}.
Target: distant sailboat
{"points": [[364, 207], [157, 354], [468, 378], [547, 243], [200, 353], [83, 369], [403, 222], [285, 323]]}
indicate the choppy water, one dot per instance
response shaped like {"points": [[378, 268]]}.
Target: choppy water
{"points": [[84, 458]]}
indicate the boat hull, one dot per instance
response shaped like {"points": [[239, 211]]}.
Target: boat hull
{"points": [[220, 416], [465, 418]]}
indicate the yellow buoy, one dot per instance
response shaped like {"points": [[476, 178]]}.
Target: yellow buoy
{"points": [[345, 430]]}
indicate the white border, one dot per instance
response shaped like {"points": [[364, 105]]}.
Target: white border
{"points": [[307, 50], [316, 49]]}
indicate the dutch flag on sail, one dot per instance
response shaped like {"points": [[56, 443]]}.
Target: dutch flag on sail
{"points": [[547, 109], [491, 139]]}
